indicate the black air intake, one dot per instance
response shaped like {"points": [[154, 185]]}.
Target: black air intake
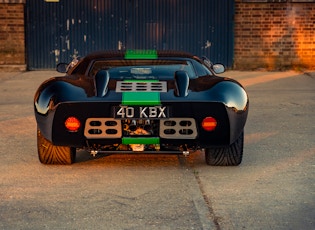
{"points": [[182, 83], [101, 82]]}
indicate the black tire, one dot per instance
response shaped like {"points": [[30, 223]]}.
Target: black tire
{"points": [[51, 154], [226, 156]]}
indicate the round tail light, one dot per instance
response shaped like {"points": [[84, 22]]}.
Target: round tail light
{"points": [[72, 124], [209, 124]]}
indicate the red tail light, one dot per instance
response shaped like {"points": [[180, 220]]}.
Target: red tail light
{"points": [[72, 124], [209, 124]]}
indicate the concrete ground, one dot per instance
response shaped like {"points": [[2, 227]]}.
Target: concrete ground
{"points": [[273, 188]]}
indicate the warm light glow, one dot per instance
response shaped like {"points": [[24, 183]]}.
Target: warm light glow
{"points": [[72, 124], [291, 42], [209, 124]]}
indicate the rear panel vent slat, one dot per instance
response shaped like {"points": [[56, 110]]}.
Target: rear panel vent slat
{"points": [[122, 86]]}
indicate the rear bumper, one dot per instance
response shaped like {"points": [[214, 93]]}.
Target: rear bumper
{"points": [[230, 124]]}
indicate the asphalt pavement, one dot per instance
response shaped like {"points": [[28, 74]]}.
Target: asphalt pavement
{"points": [[273, 188]]}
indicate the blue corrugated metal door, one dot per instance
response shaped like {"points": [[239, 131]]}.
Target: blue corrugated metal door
{"points": [[60, 29]]}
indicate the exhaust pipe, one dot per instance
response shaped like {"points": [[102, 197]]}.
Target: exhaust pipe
{"points": [[185, 151]]}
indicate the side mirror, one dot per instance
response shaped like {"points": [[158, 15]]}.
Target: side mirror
{"points": [[218, 68], [62, 67]]}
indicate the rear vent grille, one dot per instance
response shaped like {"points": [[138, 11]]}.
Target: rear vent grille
{"points": [[124, 86], [178, 128], [102, 128]]}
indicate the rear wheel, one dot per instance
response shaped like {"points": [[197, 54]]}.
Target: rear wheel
{"points": [[52, 154], [226, 156]]}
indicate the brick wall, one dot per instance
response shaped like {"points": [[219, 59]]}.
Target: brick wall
{"points": [[12, 35], [274, 35]]}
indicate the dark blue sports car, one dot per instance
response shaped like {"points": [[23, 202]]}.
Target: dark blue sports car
{"points": [[141, 101]]}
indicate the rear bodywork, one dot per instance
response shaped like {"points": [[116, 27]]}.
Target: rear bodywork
{"points": [[141, 110]]}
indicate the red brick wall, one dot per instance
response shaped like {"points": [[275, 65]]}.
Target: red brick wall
{"points": [[12, 35], [274, 35]]}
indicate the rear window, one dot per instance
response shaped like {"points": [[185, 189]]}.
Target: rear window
{"points": [[143, 69]]}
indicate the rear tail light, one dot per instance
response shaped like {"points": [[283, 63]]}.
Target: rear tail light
{"points": [[209, 124], [72, 124]]}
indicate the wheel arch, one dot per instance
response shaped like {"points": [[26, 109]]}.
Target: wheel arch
{"points": [[236, 101]]}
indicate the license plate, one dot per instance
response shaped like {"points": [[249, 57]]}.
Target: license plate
{"points": [[141, 112]]}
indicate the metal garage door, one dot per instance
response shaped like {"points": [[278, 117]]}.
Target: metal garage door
{"points": [[59, 29]]}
